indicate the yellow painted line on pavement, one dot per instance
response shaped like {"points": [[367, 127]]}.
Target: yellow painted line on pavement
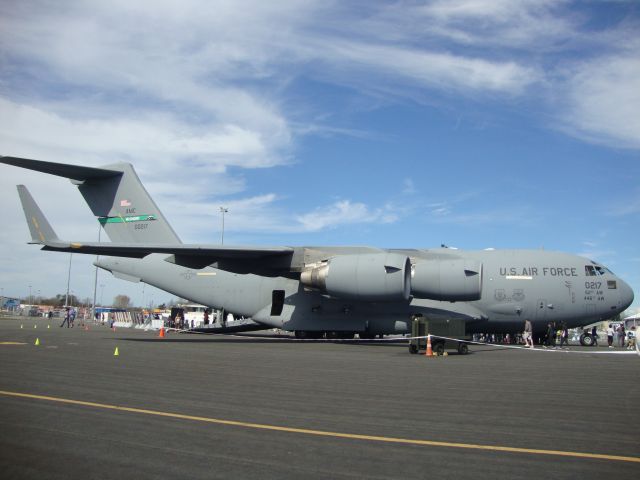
{"points": [[12, 343], [323, 433]]}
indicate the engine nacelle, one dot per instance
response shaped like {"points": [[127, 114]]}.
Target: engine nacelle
{"points": [[457, 279], [376, 277]]}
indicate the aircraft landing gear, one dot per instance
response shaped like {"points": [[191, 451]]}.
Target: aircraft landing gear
{"points": [[587, 340], [308, 335], [340, 335]]}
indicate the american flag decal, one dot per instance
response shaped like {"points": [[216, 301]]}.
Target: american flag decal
{"points": [[125, 203]]}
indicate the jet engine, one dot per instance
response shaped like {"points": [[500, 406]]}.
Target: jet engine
{"points": [[376, 277], [457, 279]]}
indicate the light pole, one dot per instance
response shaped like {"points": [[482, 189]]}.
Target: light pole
{"points": [[101, 294], [29, 295], [95, 278], [223, 210]]}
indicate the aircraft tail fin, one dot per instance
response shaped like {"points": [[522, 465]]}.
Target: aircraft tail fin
{"points": [[116, 196], [41, 230]]}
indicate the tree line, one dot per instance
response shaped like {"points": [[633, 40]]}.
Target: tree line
{"points": [[119, 301]]}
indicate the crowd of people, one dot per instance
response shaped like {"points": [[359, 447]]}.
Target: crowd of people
{"points": [[557, 336], [620, 336]]}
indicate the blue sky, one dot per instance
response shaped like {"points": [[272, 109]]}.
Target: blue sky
{"points": [[396, 124]]}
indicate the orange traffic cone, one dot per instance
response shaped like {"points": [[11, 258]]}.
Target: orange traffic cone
{"points": [[161, 334], [429, 352]]}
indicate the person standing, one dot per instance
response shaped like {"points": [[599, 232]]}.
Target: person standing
{"points": [[66, 317], [594, 335], [550, 340], [528, 333], [622, 334], [564, 335], [610, 333]]}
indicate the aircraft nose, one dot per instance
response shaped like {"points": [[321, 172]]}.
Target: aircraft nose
{"points": [[626, 294]]}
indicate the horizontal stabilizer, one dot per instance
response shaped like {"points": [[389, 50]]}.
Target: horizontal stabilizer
{"points": [[73, 172], [41, 230]]}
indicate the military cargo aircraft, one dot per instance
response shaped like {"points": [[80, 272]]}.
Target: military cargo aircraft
{"points": [[334, 291]]}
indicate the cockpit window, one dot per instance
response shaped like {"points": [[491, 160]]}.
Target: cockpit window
{"points": [[596, 270]]}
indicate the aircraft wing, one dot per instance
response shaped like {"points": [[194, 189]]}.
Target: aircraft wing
{"points": [[234, 258], [136, 250], [239, 259]]}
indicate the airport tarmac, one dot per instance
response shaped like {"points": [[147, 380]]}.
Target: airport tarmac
{"points": [[200, 406]]}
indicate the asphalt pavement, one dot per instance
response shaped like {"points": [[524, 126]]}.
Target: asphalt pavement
{"points": [[213, 406]]}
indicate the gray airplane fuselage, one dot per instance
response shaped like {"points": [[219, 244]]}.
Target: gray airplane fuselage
{"points": [[515, 285]]}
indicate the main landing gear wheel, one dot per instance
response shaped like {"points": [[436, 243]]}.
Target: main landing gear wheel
{"points": [[438, 348], [413, 348], [463, 348], [587, 340]]}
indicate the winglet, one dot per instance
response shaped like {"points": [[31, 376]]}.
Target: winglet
{"points": [[41, 231]]}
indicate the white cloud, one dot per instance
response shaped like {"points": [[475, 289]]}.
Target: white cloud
{"points": [[439, 209], [498, 22], [603, 100], [344, 212], [444, 71], [146, 137]]}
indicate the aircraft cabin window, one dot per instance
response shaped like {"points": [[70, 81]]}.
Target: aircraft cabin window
{"points": [[611, 284]]}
